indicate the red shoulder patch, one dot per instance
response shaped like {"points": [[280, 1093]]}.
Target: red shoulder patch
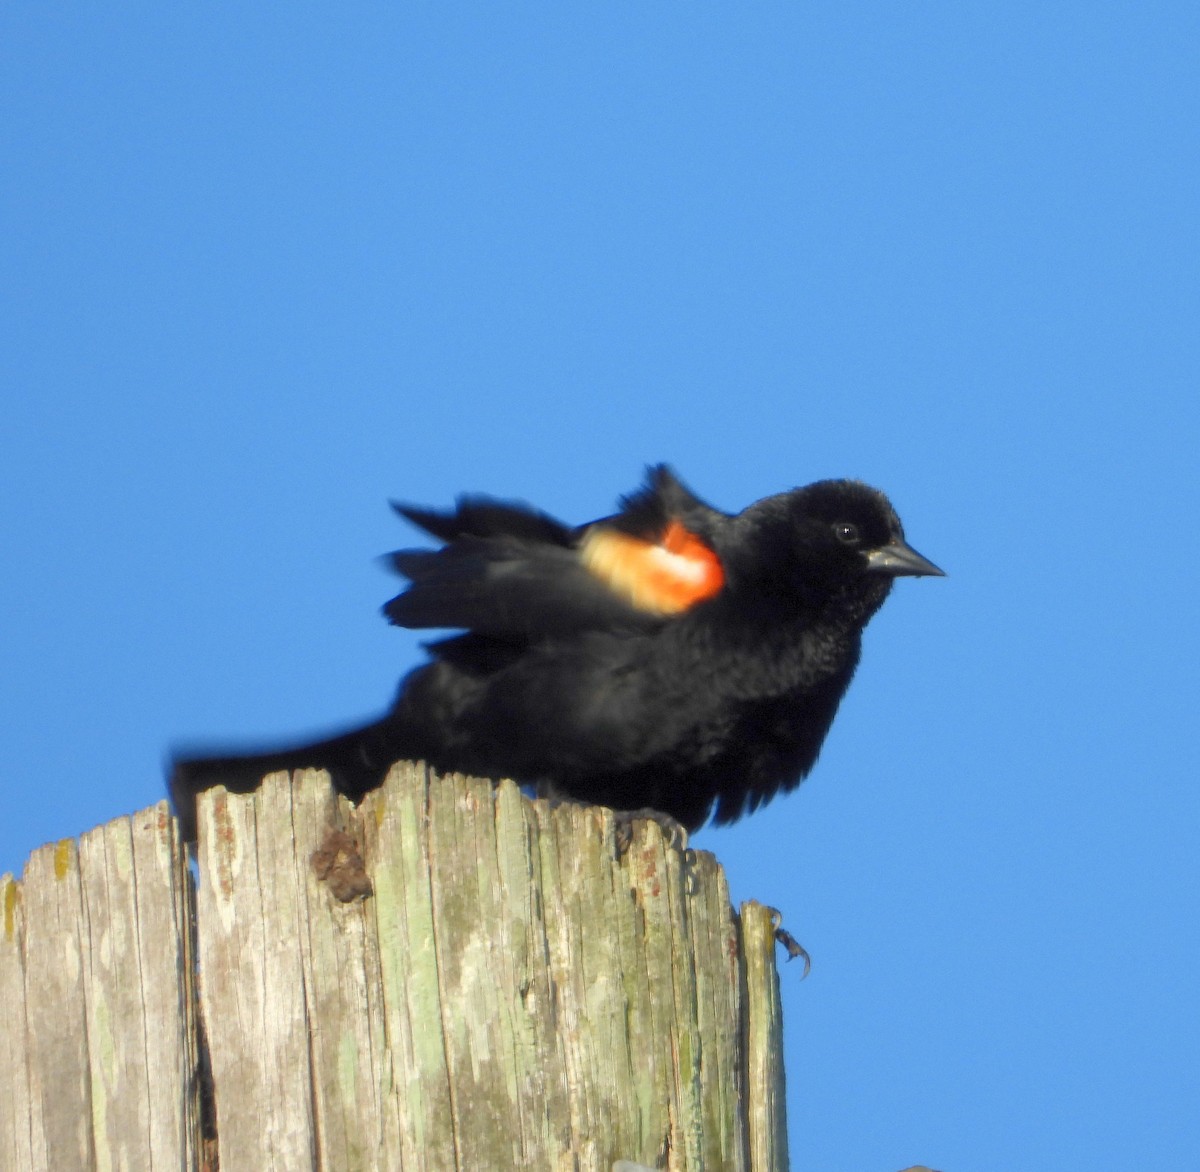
{"points": [[663, 577]]}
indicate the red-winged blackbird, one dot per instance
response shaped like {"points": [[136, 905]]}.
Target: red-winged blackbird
{"points": [[670, 657]]}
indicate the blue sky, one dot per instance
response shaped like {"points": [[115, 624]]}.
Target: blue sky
{"points": [[266, 269]]}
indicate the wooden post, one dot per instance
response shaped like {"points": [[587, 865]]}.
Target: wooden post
{"points": [[448, 977]]}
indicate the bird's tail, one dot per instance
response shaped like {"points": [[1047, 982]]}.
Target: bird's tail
{"points": [[357, 761]]}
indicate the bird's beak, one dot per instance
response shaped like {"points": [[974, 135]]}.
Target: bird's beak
{"points": [[899, 560]]}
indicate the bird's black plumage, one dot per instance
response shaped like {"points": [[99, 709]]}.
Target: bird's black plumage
{"points": [[670, 656]]}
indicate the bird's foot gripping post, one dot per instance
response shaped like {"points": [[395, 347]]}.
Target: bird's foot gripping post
{"points": [[624, 821]]}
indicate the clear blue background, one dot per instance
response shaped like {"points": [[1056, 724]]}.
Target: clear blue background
{"points": [[264, 269]]}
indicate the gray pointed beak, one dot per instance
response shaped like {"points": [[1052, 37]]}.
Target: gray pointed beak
{"points": [[900, 560]]}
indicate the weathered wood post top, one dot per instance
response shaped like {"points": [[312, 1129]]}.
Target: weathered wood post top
{"points": [[450, 977]]}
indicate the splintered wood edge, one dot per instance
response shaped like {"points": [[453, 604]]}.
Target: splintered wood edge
{"points": [[97, 1024], [766, 1102]]}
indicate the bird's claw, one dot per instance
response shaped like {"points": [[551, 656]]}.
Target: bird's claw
{"points": [[792, 946], [673, 832]]}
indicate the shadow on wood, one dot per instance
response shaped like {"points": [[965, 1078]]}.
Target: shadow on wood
{"points": [[448, 977]]}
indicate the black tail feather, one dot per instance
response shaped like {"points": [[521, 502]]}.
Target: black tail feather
{"points": [[357, 761]]}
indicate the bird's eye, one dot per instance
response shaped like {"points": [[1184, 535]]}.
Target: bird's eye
{"points": [[845, 532]]}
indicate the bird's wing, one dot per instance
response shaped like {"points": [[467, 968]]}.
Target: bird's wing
{"points": [[508, 571]]}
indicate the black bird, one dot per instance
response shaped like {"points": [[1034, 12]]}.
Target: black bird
{"points": [[670, 657]]}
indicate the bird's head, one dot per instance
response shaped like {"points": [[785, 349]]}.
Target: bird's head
{"points": [[834, 536]]}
